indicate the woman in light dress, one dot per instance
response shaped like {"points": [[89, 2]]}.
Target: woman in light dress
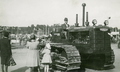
{"points": [[46, 60], [32, 54]]}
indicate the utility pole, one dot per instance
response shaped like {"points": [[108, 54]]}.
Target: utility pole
{"points": [[46, 30]]}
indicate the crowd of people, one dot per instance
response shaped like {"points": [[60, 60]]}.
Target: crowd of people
{"points": [[37, 56]]}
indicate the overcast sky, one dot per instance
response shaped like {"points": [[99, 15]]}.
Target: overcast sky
{"points": [[27, 12]]}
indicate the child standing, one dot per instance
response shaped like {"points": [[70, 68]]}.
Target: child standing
{"points": [[46, 60]]}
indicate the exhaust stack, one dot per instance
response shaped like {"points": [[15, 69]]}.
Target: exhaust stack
{"points": [[83, 22], [87, 22], [76, 24]]}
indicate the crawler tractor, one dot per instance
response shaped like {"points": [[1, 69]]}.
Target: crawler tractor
{"points": [[85, 47]]}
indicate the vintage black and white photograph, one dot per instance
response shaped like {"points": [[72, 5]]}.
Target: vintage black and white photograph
{"points": [[59, 35]]}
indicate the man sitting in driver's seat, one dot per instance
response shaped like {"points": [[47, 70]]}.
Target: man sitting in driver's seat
{"points": [[65, 27]]}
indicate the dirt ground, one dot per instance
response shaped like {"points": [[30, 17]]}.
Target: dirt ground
{"points": [[19, 55]]}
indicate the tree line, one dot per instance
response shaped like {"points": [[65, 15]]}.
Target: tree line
{"points": [[44, 29]]}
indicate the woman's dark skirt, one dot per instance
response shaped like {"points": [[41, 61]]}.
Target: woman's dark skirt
{"points": [[5, 60]]}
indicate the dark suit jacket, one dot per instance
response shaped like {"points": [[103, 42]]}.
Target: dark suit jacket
{"points": [[5, 47]]}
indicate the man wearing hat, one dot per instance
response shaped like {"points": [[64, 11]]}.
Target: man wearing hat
{"points": [[65, 27]]}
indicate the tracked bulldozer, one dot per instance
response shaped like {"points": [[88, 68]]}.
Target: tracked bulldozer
{"points": [[85, 47]]}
